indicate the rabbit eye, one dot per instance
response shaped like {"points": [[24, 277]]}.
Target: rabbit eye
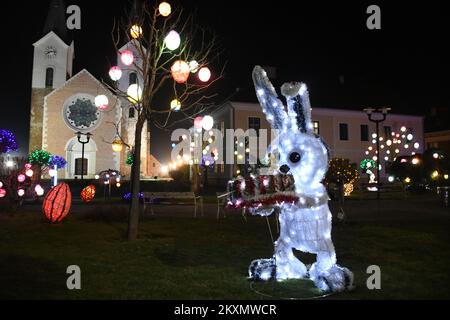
{"points": [[295, 157]]}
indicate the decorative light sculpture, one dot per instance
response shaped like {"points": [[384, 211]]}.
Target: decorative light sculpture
{"points": [[57, 203], [204, 74], [115, 73], [21, 192], [101, 102], [2, 193], [172, 40], [198, 122], [175, 105], [134, 93], [208, 123], [165, 9], [88, 194], [39, 190], [127, 57], [135, 31], [180, 71], [21, 178], [193, 66]]}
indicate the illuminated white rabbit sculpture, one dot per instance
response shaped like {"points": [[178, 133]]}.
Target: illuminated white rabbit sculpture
{"points": [[306, 224]]}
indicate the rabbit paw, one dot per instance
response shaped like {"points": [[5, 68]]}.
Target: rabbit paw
{"points": [[334, 279], [262, 269]]}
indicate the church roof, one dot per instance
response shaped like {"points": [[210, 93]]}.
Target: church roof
{"points": [[56, 20]]}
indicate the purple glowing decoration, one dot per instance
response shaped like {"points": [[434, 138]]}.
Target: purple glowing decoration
{"points": [[127, 196], [57, 161], [207, 162], [8, 141]]}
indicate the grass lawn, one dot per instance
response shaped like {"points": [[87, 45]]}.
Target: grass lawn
{"points": [[186, 258]]}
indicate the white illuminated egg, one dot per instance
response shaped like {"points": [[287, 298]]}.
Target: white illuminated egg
{"points": [[403, 129], [165, 9], [416, 145], [204, 74], [127, 57], [52, 172], [409, 137], [172, 40], [29, 173], [391, 179], [39, 190], [198, 122], [101, 102], [134, 93], [115, 73], [20, 192], [193, 66], [208, 123], [175, 105]]}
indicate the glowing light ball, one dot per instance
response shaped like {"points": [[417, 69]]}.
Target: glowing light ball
{"points": [[134, 93], [193, 65], [29, 173], [409, 137], [39, 190], [391, 179], [101, 102], [135, 31], [52, 172], [2, 193], [57, 203], [403, 129], [175, 105], [117, 145], [435, 174], [28, 166], [208, 123], [408, 180], [374, 135], [436, 155], [204, 74], [416, 145], [9, 163], [115, 73], [180, 71], [172, 40], [198, 122], [21, 178], [165, 9], [127, 57], [415, 161], [20, 192], [88, 194], [1, 184], [389, 143]]}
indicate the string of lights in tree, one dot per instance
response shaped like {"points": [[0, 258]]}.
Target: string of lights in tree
{"points": [[19, 184], [393, 145]]}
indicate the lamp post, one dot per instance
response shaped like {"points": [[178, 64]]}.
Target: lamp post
{"points": [[88, 138], [377, 115]]}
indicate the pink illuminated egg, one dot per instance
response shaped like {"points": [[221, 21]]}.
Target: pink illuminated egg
{"points": [[198, 122], [2, 193], [29, 173], [28, 166], [21, 178], [127, 57], [20, 192]]}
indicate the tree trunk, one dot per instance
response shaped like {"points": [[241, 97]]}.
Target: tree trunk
{"points": [[133, 220], [195, 179]]}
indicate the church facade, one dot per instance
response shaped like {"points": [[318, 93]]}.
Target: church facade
{"points": [[63, 108]]}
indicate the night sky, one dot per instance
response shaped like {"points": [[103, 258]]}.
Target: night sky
{"points": [[325, 44]]}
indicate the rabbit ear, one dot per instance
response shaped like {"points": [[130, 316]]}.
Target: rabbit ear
{"points": [[299, 106], [268, 98]]}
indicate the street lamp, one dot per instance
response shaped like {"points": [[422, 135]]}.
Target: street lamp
{"points": [[88, 138], [377, 116]]}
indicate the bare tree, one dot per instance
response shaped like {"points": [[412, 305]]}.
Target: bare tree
{"points": [[153, 62]]}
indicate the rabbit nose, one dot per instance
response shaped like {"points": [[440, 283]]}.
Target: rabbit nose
{"points": [[284, 168]]}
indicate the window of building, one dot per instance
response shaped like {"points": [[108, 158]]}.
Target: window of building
{"points": [[49, 72], [316, 127], [387, 131], [81, 166], [343, 131], [364, 132], [131, 113], [254, 123], [133, 78]]}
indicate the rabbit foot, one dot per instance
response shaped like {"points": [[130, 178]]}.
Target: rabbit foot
{"points": [[334, 279], [262, 269]]}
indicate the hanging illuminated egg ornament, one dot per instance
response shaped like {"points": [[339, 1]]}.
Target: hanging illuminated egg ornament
{"points": [[172, 40], [57, 203], [175, 105], [39, 190], [127, 57], [134, 93], [204, 74], [198, 122], [180, 71], [101, 102], [208, 123], [21, 178], [165, 9], [135, 31], [88, 194], [2, 193], [20, 192], [193, 65], [115, 73], [29, 173]]}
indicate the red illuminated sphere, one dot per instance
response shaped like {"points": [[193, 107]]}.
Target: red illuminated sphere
{"points": [[88, 194]]}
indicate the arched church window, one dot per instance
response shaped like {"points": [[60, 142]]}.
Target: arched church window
{"points": [[49, 77], [131, 113], [133, 78]]}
